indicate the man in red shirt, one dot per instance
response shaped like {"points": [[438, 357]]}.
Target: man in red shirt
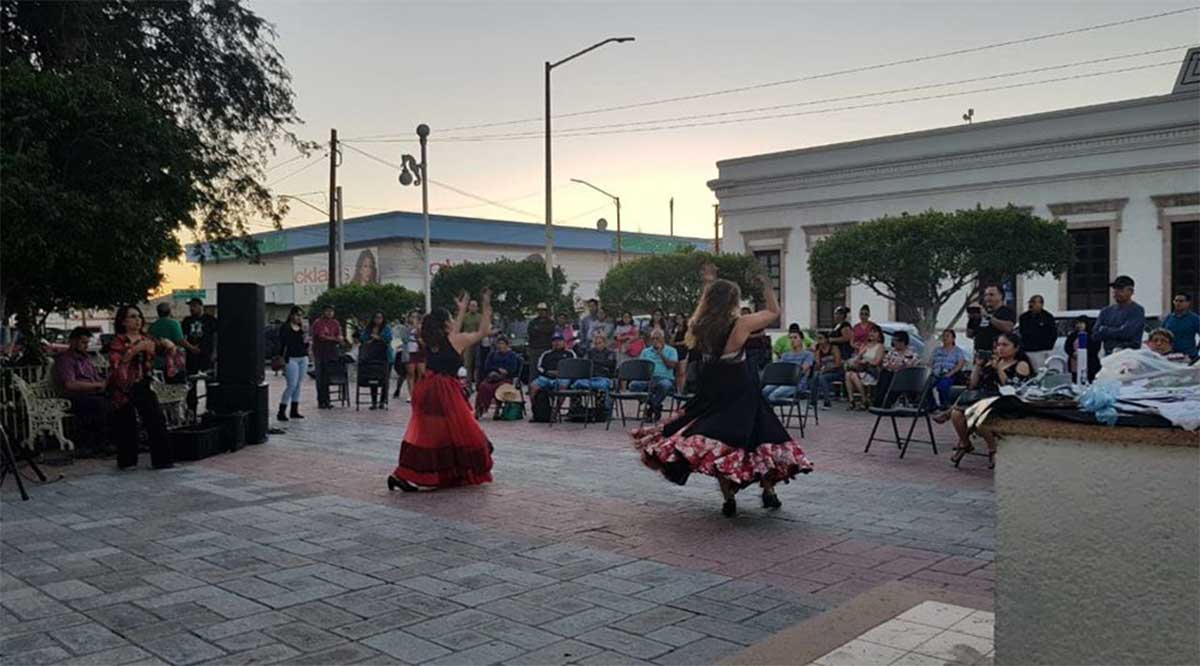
{"points": [[327, 337]]}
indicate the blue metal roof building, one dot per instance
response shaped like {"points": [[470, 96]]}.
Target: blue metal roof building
{"points": [[449, 229]]}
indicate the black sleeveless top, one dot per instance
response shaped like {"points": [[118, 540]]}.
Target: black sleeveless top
{"points": [[444, 361]]}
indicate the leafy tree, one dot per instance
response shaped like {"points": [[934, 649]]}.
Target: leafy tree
{"points": [[517, 286], [362, 301], [671, 282], [921, 261], [124, 124]]}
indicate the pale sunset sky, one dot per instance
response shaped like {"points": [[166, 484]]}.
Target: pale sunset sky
{"points": [[380, 68]]}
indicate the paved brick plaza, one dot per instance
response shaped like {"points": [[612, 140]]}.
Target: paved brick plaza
{"points": [[294, 551]]}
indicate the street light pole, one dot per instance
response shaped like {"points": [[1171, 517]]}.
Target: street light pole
{"points": [[617, 200], [409, 166], [549, 177]]}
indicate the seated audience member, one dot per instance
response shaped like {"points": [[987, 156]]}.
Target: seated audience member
{"points": [[665, 360], [1008, 364], [783, 344], [799, 356], [547, 366], [604, 368], [829, 367], [900, 356], [862, 370], [77, 379], [947, 363], [1162, 342], [499, 369]]}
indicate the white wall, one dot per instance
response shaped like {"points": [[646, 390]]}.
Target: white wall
{"points": [[1097, 552], [1132, 150]]}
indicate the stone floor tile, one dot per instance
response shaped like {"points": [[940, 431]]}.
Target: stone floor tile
{"points": [[573, 625], [70, 589], [183, 649], [936, 614], [860, 653], [626, 644], [557, 654], [955, 645], [900, 634], [703, 651], [675, 636], [979, 623], [90, 637], [304, 637], [405, 646], [495, 652]]}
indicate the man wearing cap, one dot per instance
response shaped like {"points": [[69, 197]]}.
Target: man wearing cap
{"points": [[199, 337], [1122, 324], [547, 366], [539, 332]]}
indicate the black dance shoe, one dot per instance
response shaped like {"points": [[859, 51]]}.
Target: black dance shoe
{"points": [[729, 508], [771, 500], [393, 483]]}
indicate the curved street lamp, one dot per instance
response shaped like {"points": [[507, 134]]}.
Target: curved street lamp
{"points": [[617, 200], [549, 207], [414, 173]]}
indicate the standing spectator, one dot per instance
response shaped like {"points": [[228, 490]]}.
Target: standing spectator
{"points": [[862, 370], [167, 327], [947, 364], [665, 360], [78, 380], [626, 332], [564, 328], [130, 362], [541, 330], [758, 346], [1184, 325], [858, 335], [798, 355], [376, 340], [994, 318], [486, 345], [586, 322], [415, 349], [1083, 324], [1038, 332], [1122, 324], [470, 324], [604, 369], [327, 339], [829, 367], [500, 368], [601, 324], [294, 350], [657, 320], [547, 366], [842, 334], [200, 337], [900, 356]]}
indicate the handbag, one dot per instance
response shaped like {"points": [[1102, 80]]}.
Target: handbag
{"points": [[277, 363]]}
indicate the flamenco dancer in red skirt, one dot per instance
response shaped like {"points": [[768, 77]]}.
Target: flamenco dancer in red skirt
{"points": [[443, 446], [727, 430]]}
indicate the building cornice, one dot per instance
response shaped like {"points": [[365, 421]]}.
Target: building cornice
{"points": [[1176, 200], [961, 161], [1088, 207], [728, 209]]}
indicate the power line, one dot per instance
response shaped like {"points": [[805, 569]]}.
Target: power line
{"points": [[878, 93], [285, 162], [872, 105], [813, 77], [315, 161]]}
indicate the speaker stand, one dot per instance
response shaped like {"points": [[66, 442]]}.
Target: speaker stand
{"points": [[8, 464]]}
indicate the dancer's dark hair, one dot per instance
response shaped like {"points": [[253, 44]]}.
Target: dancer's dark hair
{"points": [[433, 329]]}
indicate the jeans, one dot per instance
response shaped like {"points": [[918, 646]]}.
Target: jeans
{"points": [[941, 389], [295, 370], [142, 402], [774, 393], [658, 387], [543, 383], [825, 382]]}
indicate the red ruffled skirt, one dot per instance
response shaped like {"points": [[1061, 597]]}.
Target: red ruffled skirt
{"points": [[681, 454], [443, 446]]}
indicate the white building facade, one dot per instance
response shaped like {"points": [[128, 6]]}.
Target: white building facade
{"points": [[1125, 176]]}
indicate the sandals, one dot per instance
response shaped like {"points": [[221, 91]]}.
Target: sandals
{"points": [[960, 451]]}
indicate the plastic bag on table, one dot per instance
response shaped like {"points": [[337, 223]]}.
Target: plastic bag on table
{"points": [[1131, 365], [1101, 399]]}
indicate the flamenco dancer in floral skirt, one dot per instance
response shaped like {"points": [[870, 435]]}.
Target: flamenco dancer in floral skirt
{"points": [[443, 446], [727, 430]]}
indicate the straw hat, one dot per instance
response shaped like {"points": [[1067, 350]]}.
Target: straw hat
{"points": [[508, 393]]}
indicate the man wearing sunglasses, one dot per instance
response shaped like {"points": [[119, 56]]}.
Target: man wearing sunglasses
{"points": [[1184, 324]]}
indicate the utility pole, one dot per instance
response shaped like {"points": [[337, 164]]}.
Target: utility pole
{"points": [[341, 237], [671, 204], [334, 268], [717, 228]]}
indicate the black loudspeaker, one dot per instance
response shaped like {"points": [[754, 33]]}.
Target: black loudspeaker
{"points": [[241, 333], [225, 398]]}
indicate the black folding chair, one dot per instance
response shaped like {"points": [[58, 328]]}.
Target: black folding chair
{"points": [[339, 381], [571, 370], [786, 374], [633, 370], [907, 396], [372, 375]]}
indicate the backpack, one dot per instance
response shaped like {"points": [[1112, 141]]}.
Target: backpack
{"points": [[541, 409], [512, 411]]}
